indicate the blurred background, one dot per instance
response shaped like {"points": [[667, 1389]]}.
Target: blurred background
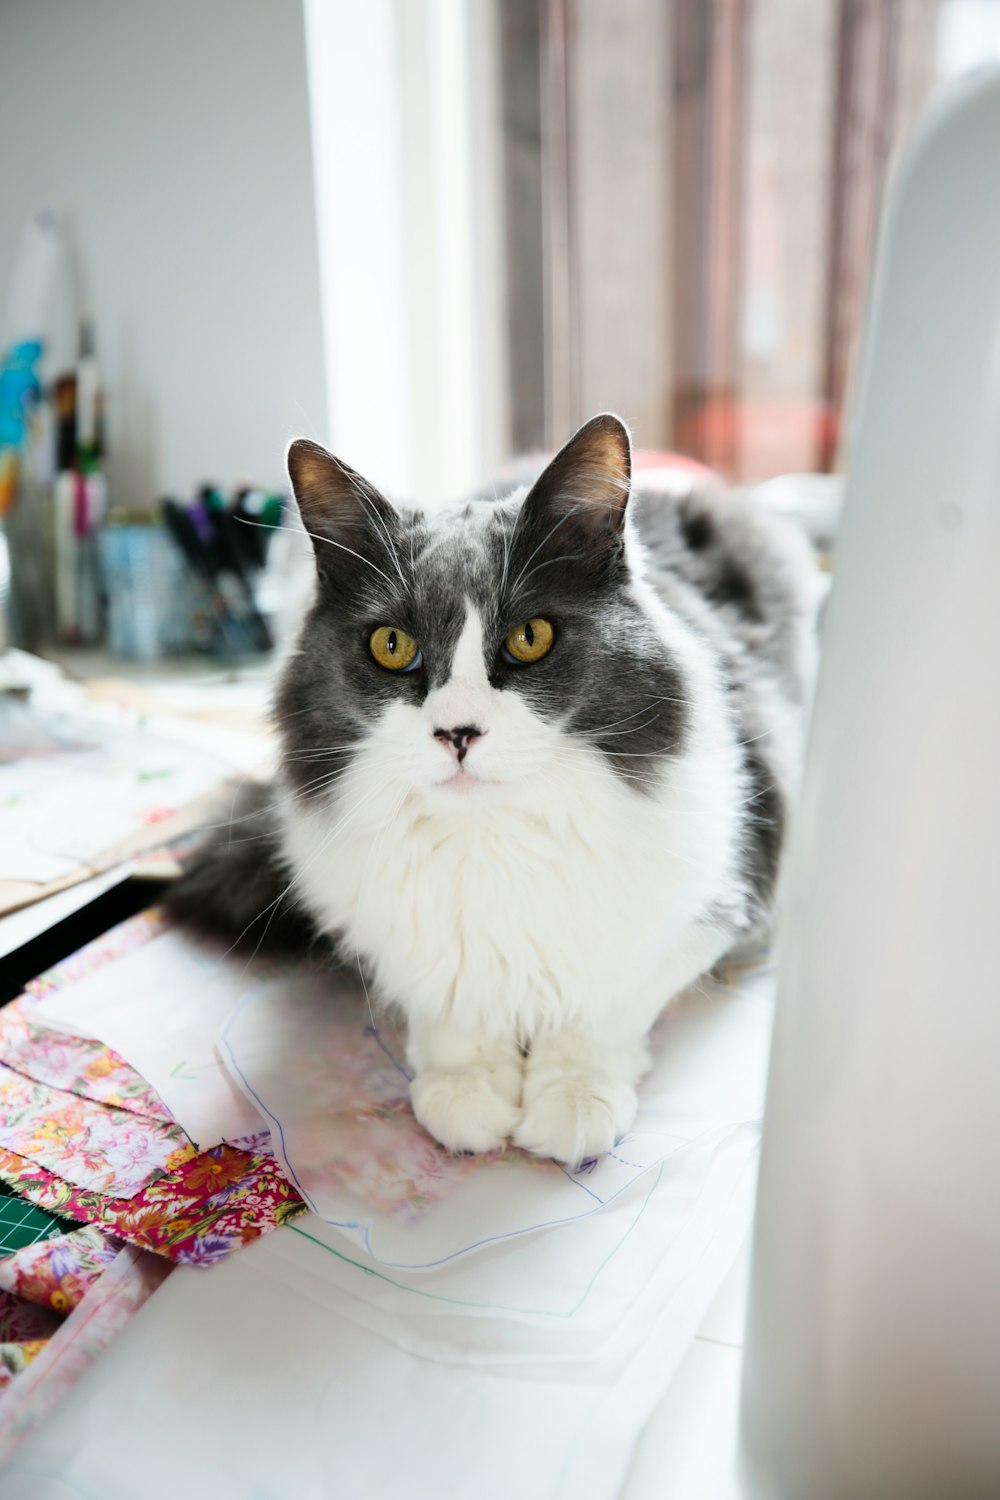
{"points": [[433, 234]]}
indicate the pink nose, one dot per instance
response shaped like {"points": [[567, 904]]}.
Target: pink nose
{"points": [[459, 739]]}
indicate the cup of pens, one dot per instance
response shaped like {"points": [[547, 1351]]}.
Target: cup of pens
{"points": [[191, 577], [225, 547]]}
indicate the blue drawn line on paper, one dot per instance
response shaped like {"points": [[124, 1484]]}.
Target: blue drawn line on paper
{"points": [[224, 1040], [363, 1228], [625, 1163], [538, 1312], [568, 1172], [373, 1032]]}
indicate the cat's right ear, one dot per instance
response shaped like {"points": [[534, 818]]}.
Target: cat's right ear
{"points": [[349, 522]]}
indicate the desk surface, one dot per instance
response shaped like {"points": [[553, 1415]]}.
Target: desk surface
{"points": [[84, 1447], [204, 1372]]}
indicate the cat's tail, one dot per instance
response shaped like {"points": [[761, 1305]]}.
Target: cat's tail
{"points": [[237, 888]]}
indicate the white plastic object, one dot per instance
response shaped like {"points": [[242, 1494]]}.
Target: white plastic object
{"points": [[873, 1350]]}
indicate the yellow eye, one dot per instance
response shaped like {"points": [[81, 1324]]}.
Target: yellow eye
{"points": [[530, 641], [394, 649]]}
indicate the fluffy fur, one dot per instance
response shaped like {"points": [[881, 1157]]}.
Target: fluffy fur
{"points": [[606, 826]]}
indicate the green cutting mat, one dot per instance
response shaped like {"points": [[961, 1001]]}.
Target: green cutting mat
{"points": [[21, 1223]]}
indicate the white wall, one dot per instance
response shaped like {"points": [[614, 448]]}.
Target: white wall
{"points": [[406, 121], [177, 136]]}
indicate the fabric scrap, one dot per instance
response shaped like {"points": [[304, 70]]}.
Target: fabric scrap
{"points": [[204, 1209], [58, 1273], [48, 1373], [160, 1005], [75, 1064], [15, 1358], [21, 1321], [94, 1146]]}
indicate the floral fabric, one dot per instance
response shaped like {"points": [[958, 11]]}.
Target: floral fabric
{"points": [[128, 1282], [59, 1272], [14, 1358], [93, 1146], [76, 1064], [24, 1332], [21, 1320], [208, 1206]]}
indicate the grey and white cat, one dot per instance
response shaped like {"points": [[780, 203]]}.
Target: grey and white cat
{"points": [[537, 760]]}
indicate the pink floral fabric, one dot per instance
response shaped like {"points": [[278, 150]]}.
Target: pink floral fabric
{"points": [[24, 1332], [43, 1382], [207, 1207], [59, 1272], [16, 1357], [22, 1320], [78, 1065], [91, 1145]]}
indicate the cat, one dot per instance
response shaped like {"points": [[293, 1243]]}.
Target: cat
{"points": [[538, 756]]}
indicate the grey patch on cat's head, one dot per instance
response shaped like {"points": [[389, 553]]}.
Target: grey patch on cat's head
{"points": [[559, 551]]}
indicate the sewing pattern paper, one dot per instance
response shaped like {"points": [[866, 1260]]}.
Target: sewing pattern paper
{"points": [[113, 944], [336, 1094]]}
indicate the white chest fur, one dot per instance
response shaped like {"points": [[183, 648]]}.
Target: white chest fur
{"points": [[522, 908]]}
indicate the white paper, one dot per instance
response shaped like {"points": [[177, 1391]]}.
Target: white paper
{"points": [[160, 1007], [266, 1372], [248, 1389], [301, 1367], [565, 1294]]}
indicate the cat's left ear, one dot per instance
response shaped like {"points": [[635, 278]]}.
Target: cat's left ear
{"points": [[346, 517], [587, 484]]}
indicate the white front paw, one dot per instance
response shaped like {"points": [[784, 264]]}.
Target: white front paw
{"points": [[574, 1116], [475, 1109]]}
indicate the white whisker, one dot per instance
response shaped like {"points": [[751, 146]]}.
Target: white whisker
{"points": [[329, 542], [360, 492], [566, 516]]}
